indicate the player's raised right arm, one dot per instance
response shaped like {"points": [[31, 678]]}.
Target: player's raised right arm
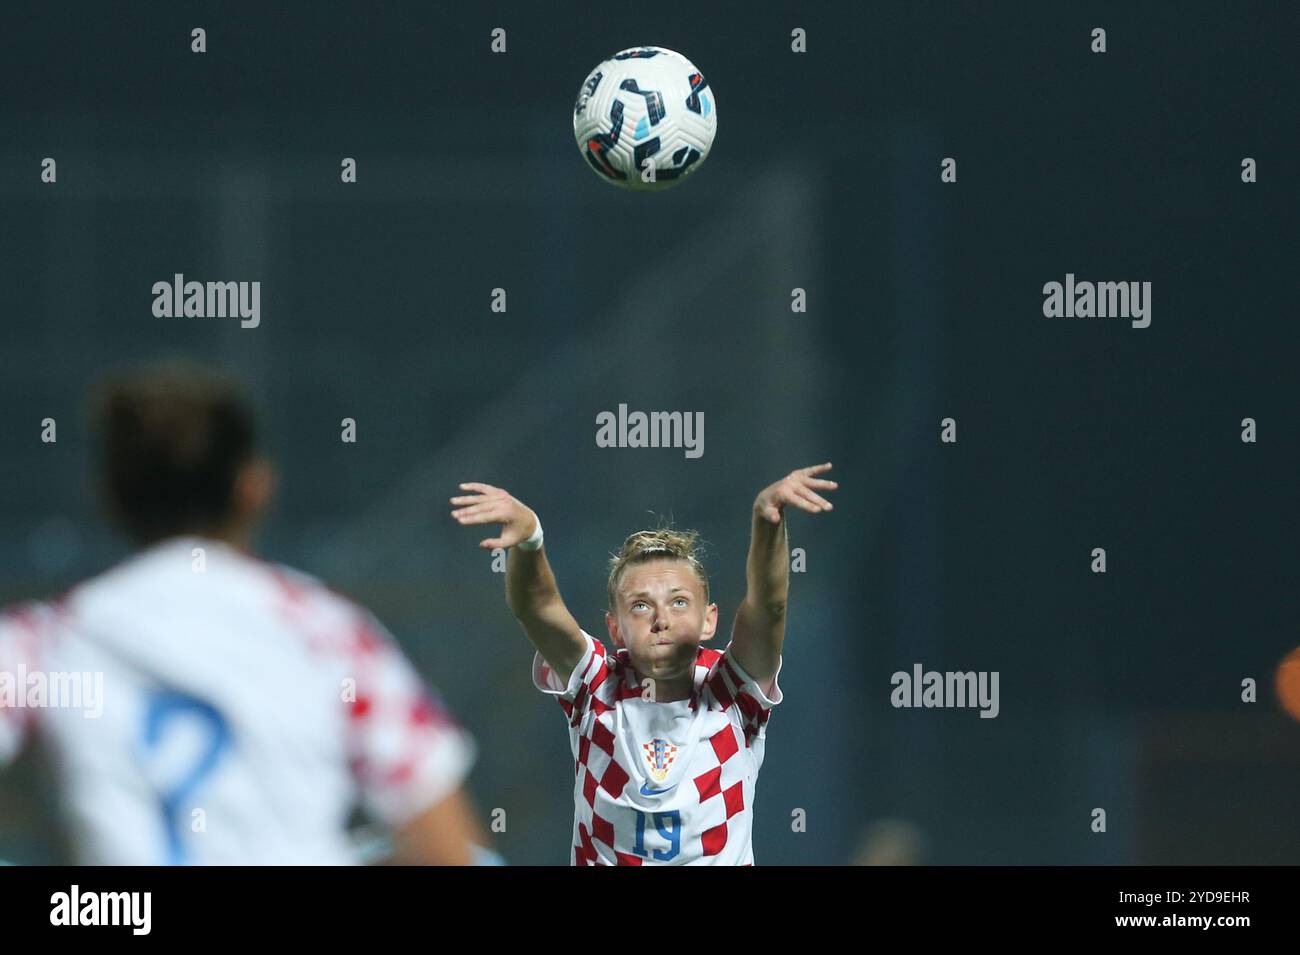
{"points": [[531, 590]]}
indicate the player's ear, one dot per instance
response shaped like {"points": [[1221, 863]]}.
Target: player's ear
{"points": [[254, 487], [710, 622], [611, 624]]}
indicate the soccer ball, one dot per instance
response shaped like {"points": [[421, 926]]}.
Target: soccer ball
{"points": [[645, 118]]}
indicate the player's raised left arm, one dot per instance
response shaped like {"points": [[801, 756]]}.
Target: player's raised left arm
{"points": [[759, 630]]}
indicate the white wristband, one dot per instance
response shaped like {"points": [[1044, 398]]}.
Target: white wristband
{"points": [[534, 542]]}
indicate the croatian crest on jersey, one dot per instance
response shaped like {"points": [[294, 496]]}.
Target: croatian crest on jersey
{"points": [[659, 754]]}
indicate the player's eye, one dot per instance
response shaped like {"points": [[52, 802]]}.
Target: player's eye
{"points": [[639, 603], [682, 601]]}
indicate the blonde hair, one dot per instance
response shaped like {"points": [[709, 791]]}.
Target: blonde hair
{"points": [[662, 544]]}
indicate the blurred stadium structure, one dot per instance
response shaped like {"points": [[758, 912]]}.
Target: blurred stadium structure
{"points": [[1118, 692]]}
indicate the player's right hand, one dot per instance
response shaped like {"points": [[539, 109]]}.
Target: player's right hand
{"points": [[493, 505]]}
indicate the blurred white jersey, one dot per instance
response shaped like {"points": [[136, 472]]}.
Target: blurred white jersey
{"points": [[213, 708]]}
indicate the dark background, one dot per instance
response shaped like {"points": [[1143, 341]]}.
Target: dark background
{"points": [[1119, 691]]}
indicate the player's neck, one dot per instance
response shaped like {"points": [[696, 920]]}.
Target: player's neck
{"points": [[237, 534], [672, 690]]}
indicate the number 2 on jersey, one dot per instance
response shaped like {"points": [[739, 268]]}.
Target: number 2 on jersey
{"points": [[164, 707], [671, 832]]}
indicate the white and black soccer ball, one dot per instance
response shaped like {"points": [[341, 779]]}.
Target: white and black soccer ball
{"points": [[645, 118]]}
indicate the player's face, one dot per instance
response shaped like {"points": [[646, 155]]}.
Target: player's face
{"points": [[662, 618]]}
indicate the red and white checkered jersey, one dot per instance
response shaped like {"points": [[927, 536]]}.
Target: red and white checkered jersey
{"points": [[661, 783], [207, 707]]}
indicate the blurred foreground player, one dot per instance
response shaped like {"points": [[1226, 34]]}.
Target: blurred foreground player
{"points": [[246, 709], [668, 735]]}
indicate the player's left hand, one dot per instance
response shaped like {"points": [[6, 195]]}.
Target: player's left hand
{"points": [[795, 488]]}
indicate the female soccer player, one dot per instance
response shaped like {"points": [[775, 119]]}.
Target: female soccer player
{"points": [[668, 735]]}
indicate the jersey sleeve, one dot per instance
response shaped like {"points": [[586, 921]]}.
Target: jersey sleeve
{"points": [[407, 750], [17, 657], [574, 694], [732, 685]]}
